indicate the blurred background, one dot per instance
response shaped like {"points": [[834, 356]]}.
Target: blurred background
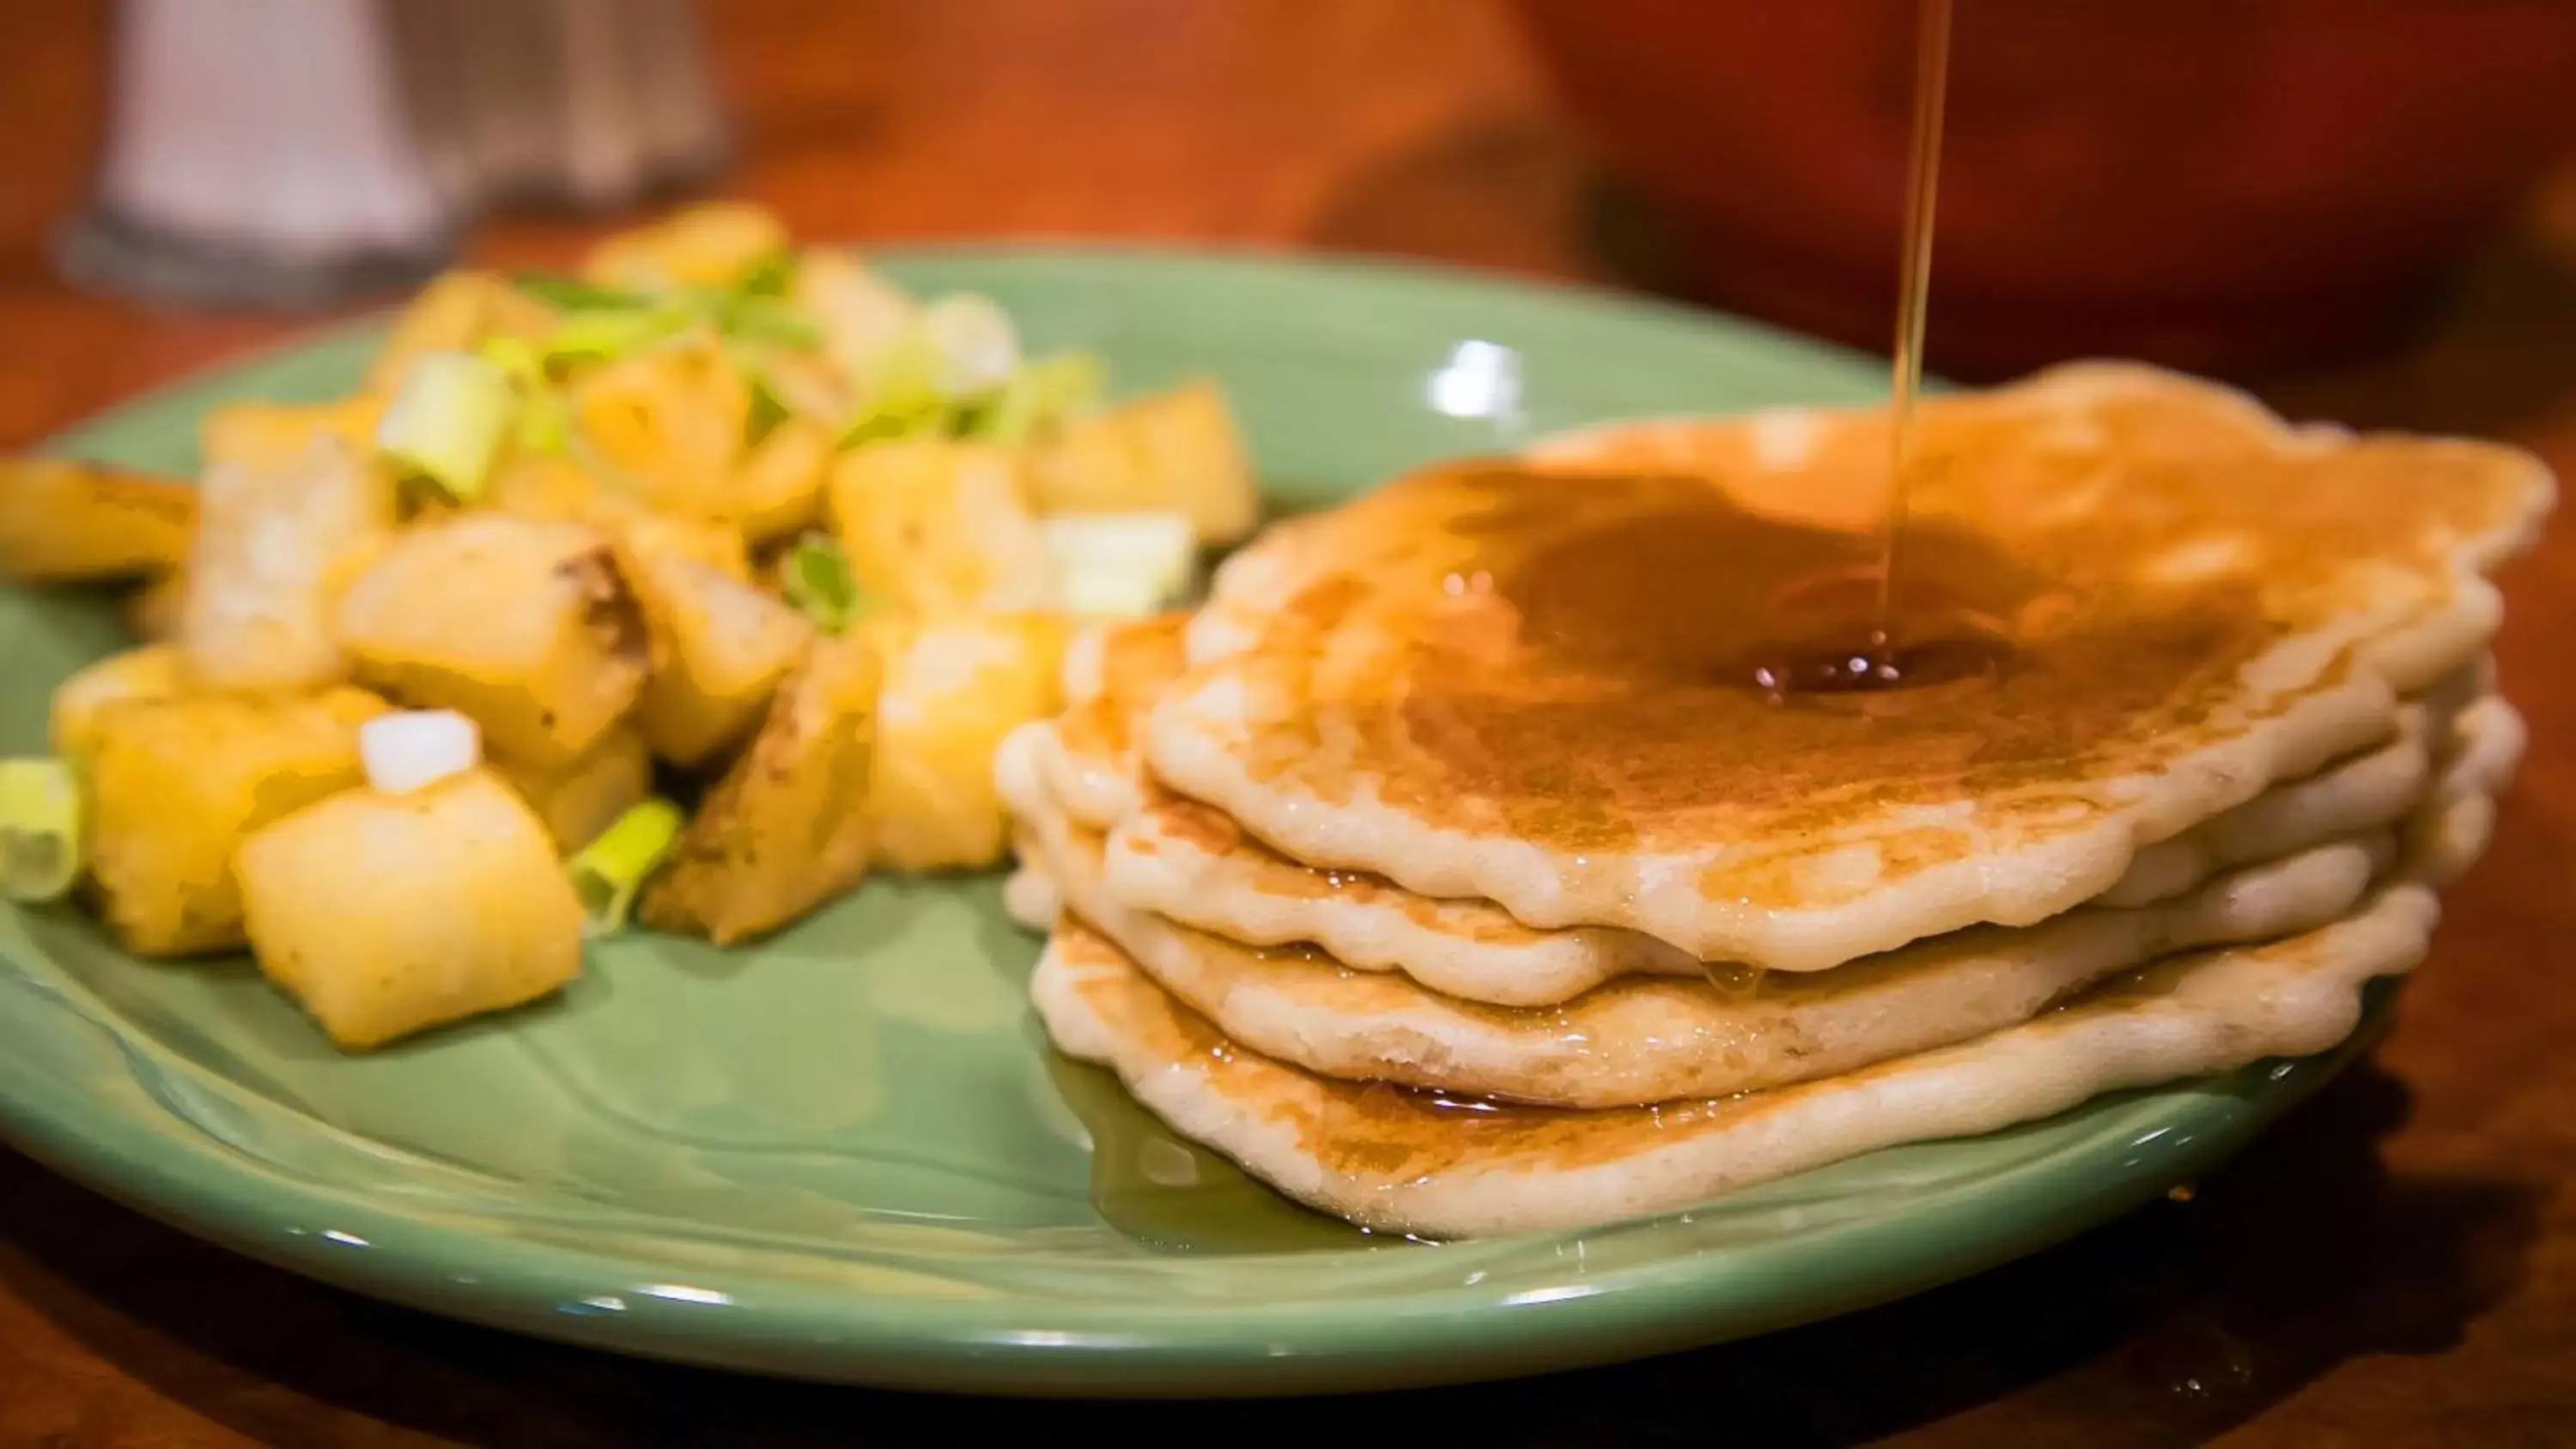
{"points": [[2278, 189]]}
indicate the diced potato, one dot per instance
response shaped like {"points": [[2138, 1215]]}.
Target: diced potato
{"points": [[579, 800], [152, 611], [938, 527], [269, 435], [708, 543], [1175, 450], [720, 648], [62, 521], [388, 914], [778, 490], [952, 689], [862, 315], [671, 421], [521, 624], [560, 490], [176, 784], [708, 245], [456, 313], [273, 546], [808, 384], [786, 828], [540, 485], [151, 672]]}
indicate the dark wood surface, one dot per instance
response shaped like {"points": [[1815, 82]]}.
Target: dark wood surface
{"points": [[2396, 1264]]}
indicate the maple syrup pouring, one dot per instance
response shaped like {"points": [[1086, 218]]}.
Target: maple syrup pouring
{"points": [[1914, 288], [1874, 637]]}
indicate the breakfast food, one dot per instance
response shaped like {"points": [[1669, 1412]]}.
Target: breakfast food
{"points": [[732, 560], [1463, 866]]}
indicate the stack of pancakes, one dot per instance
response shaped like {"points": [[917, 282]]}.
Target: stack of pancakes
{"points": [[1456, 868]]}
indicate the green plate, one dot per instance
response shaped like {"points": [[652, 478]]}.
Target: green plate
{"points": [[847, 1153]]}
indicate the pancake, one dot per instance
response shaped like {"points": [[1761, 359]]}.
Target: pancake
{"points": [[1640, 1040], [1029, 895], [1526, 686], [2451, 827], [1113, 672], [1438, 1167], [1191, 862], [1445, 1167]]}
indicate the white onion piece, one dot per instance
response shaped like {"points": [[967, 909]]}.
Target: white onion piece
{"points": [[1121, 564], [413, 749]]}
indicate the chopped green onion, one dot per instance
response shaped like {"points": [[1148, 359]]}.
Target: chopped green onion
{"points": [[768, 408], [1039, 395], [40, 829], [885, 422], [816, 577], [904, 400], [767, 319], [516, 357], [571, 294], [606, 336], [607, 333], [772, 276], [446, 421], [608, 872], [545, 423], [976, 347], [1121, 564]]}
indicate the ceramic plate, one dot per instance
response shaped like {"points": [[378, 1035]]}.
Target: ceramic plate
{"points": [[847, 1153]]}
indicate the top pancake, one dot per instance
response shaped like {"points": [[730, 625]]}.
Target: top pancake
{"points": [[1525, 682]]}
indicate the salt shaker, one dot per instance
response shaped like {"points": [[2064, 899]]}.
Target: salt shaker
{"points": [[257, 152], [295, 153]]}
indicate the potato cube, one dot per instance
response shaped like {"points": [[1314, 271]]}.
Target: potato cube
{"points": [[708, 543], [271, 435], [520, 623], [862, 314], [936, 527], [719, 647], [560, 490], [670, 423], [1175, 451], [708, 245], [456, 313], [953, 688], [786, 828], [579, 800], [176, 784], [151, 672], [778, 490], [274, 544], [62, 521], [542, 485], [384, 915]]}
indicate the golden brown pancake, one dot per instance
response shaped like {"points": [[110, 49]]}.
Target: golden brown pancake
{"points": [[1115, 670], [1640, 1040], [1191, 862], [1440, 1166], [1488, 680]]}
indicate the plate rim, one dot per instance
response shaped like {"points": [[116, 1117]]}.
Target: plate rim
{"points": [[1419, 1336]]}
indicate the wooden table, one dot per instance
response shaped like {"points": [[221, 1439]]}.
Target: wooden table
{"points": [[2396, 1264]]}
